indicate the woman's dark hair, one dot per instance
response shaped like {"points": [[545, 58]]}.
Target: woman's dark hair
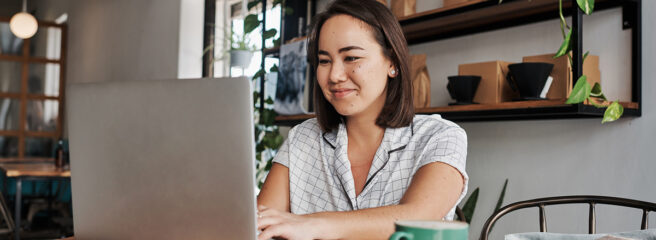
{"points": [[398, 110]]}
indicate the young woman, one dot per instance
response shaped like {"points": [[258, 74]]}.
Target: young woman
{"points": [[366, 160]]}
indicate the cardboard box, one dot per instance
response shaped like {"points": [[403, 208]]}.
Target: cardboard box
{"points": [[420, 81], [493, 87], [402, 8], [562, 76]]}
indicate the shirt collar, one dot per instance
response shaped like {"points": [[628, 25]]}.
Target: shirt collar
{"points": [[394, 139]]}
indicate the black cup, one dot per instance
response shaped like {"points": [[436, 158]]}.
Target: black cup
{"points": [[529, 78], [463, 88]]}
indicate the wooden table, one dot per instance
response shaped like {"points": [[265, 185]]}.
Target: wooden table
{"points": [[29, 171]]}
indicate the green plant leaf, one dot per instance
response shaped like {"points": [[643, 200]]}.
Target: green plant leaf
{"points": [[585, 55], [596, 92], [276, 141], [613, 112], [268, 100], [268, 116], [257, 133], [259, 147], [276, 42], [289, 11], [250, 23], [256, 95], [563, 23], [269, 33], [470, 206], [259, 74], [500, 201], [587, 6], [580, 92], [501, 196], [565, 47], [269, 140], [274, 68], [252, 4], [269, 164]]}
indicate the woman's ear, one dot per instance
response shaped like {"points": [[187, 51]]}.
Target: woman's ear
{"points": [[393, 72]]}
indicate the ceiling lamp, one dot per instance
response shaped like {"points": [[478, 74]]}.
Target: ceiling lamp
{"points": [[23, 24]]}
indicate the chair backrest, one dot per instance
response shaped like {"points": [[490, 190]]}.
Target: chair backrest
{"points": [[540, 203], [460, 214], [4, 211]]}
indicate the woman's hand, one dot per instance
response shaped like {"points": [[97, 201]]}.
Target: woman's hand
{"points": [[275, 223]]}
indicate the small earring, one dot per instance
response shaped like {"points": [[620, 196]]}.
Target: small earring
{"points": [[393, 71]]}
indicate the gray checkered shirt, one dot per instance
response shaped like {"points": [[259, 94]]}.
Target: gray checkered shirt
{"points": [[320, 177]]}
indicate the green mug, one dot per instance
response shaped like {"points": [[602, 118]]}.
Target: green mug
{"points": [[430, 230]]}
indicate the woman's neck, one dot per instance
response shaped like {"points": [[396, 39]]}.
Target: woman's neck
{"points": [[363, 131]]}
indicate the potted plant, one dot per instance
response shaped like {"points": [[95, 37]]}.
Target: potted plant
{"points": [[241, 50]]}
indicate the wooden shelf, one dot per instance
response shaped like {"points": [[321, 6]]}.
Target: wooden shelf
{"points": [[275, 51], [520, 110], [488, 15], [484, 16]]}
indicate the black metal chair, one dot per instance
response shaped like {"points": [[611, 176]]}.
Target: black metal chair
{"points": [[460, 214], [8, 229], [540, 203]]}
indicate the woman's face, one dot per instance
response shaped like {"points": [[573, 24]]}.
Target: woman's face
{"points": [[352, 70]]}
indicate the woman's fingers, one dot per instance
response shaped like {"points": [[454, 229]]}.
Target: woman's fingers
{"points": [[266, 222], [269, 217], [275, 223], [270, 232]]}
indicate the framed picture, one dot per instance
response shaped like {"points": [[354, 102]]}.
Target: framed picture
{"points": [[292, 75]]}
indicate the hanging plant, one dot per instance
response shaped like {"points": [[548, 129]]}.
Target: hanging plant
{"points": [[267, 135], [582, 90]]}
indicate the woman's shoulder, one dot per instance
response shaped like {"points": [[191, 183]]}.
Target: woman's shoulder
{"points": [[434, 124], [308, 128]]}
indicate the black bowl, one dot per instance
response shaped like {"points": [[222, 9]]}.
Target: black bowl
{"points": [[463, 88], [529, 78]]}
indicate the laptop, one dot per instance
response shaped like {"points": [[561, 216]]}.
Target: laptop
{"points": [[162, 159]]}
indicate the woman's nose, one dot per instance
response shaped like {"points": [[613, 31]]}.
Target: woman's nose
{"points": [[337, 73]]}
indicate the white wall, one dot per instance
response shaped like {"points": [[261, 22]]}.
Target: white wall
{"points": [[123, 40], [127, 40], [557, 157], [190, 52]]}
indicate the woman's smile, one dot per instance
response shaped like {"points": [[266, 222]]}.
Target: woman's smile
{"points": [[340, 93]]}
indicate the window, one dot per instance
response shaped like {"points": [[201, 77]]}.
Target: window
{"points": [[31, 92], [229, 21]]}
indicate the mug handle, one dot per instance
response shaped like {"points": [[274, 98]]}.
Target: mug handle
{"points": [[511, 82], [399, 235]]}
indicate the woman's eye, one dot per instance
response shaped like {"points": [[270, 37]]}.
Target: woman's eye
{"points": [[324, 61], [351, 59]]}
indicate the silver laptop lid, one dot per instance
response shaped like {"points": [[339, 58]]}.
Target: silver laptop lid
{"points": [[162, 159]]}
